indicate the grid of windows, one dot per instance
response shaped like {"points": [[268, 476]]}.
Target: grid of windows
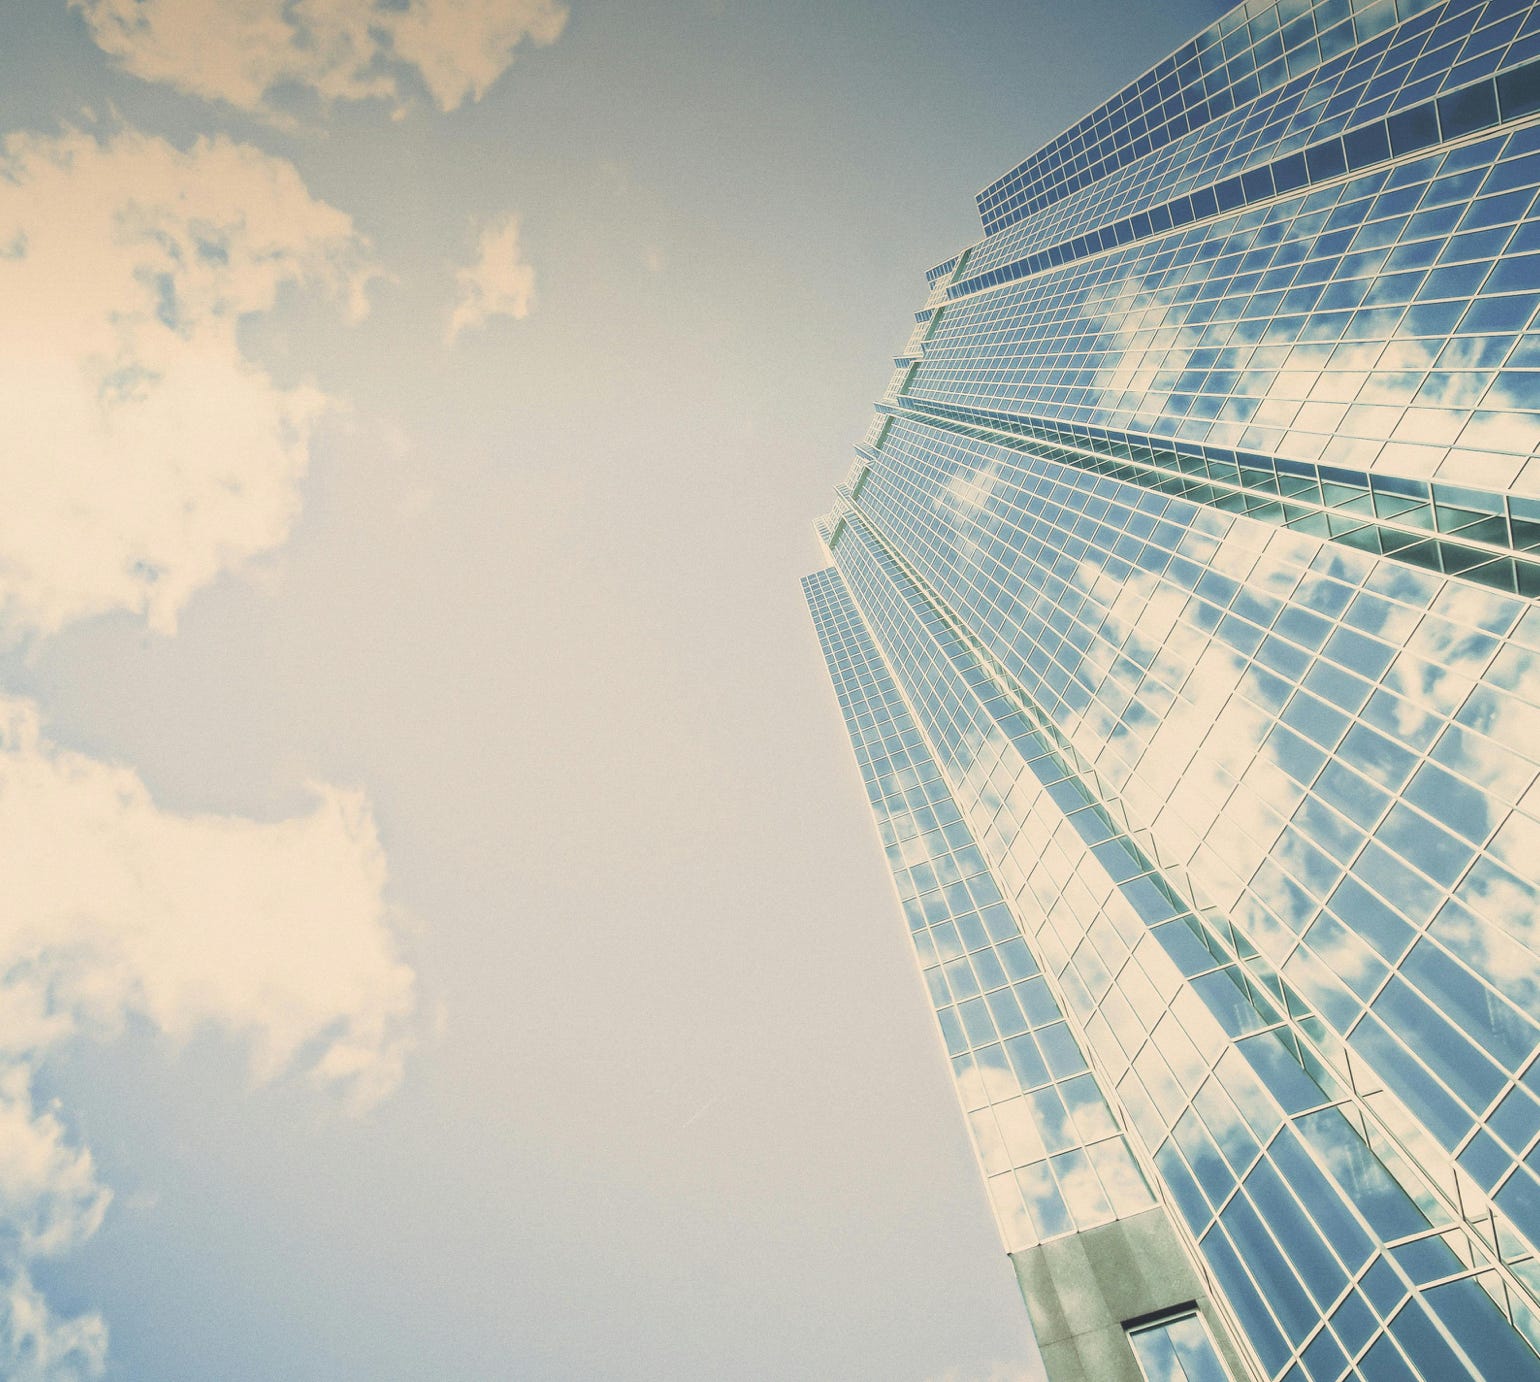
{"points": [[1381, 323], [1481, 106], [1248, 51], [941, 270], [1364, 745], [1183, 612], [1439, 46], [1492, 539], [1254, 1151], [1054, 1155]]}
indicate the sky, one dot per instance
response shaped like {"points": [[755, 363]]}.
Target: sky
{"points": [[444, 932]]}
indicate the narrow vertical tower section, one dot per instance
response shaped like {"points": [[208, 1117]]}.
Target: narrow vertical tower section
{"points": [[1091, 1247]]}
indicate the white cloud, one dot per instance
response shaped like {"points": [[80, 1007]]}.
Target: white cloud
{"points": [[246, 51], [146, 457], [145, 454], [275, 933], [50, 1200], [498, 284], [39, 1347]]}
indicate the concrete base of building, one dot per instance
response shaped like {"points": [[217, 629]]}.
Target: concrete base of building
{"points": [[1083, 1291]]}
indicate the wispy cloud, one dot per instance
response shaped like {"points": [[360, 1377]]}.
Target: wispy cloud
{"points": [[145, 454], [38, 1346], [246, 51], [498, 284], [275, 933]]}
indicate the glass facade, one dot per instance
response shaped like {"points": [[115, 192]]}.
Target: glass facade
{"points": [[1182, 613]]}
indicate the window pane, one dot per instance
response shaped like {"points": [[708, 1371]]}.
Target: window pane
{"points": [[1178, 1350]]}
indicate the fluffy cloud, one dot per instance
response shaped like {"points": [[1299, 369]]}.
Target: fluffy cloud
{"points": [[276, 933], [146, 457], [498, 284], [246, 51], [145, 454], [37, 1346], [50, 1200]]}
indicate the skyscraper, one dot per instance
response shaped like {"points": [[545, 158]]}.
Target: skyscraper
{"points": [[1182, 612]]}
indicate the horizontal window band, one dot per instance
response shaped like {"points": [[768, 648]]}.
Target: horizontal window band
{"points": [[1185, 93], [941, 269], [1488, 104], [1452, 530]]}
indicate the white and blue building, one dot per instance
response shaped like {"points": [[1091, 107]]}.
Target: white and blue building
{"points": [[1182, 609]]}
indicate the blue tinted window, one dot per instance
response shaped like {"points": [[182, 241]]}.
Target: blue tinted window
{"points": [[1464, 112], [1177, 1350]]}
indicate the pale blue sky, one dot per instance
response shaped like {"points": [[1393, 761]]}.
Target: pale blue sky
{"points": [[672, 1108]]}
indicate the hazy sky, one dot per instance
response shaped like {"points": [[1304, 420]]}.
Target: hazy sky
{"points": [[444, 936]]}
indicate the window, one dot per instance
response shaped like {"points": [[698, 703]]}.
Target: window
{"points": [[1177, 1348]]}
